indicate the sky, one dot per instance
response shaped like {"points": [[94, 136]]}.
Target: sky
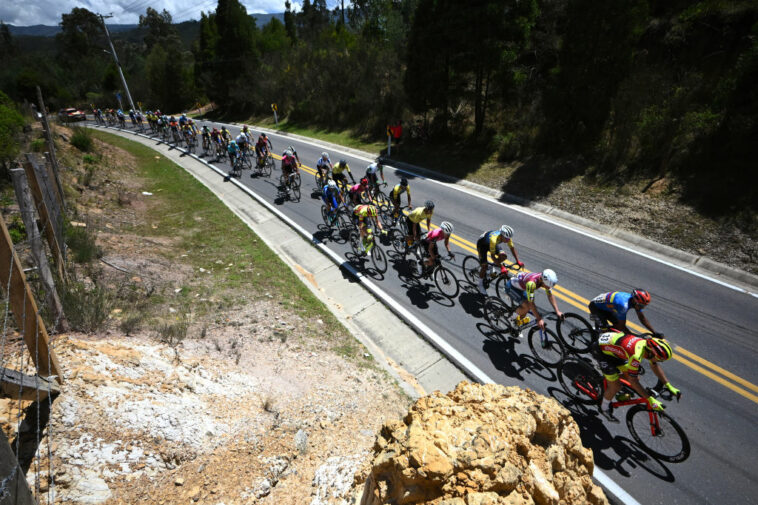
{"points": [[48, 12]]}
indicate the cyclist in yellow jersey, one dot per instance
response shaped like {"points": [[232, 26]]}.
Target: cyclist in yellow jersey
{"points": [[339, 176], [363, 213], [619, 354], [488, 243], [415, 217], [395, 195]]}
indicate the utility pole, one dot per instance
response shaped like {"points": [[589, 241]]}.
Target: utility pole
{"points": [[115, 58]]}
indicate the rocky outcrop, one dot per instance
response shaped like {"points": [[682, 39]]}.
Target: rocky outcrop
{"points": [[482, 445]]}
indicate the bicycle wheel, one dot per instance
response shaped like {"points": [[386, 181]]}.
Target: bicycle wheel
{"points": [[471, 269], [381, 201], [295, 186], [344, 224], [397, 238], [581, 381], [658, 434], [546, 347], [501, 292], [325, 215], [386, 218], [248, 161], [497, 314], [356, 243], [378, 258], [446, 282], [575, 332]]}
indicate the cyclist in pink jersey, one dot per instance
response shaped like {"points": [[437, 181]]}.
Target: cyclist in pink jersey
{"points": [[521, 289], [356, 190], [429, 242]]}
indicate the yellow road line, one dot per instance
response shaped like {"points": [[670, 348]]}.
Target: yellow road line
{"points": [[581, 303], [716, 368], [718, 379]]}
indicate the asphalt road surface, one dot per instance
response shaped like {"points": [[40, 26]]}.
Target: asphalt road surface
{"points": [[711, 324]]}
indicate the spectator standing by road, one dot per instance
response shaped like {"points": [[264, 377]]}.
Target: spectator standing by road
{"points": [[397, 133]]}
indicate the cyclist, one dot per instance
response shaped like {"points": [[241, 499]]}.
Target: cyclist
{"points": [[612, 308], [488, 243], [521, 289], [293, 152], [182, 119], [395, 195], [429, 243], [206, 135], [226, 137], [242, 142], [330, 195], [289, 165], [360, 214], [371, 171], [356, 190], [262, 148], [233, 149], [619, 354], [248, 134], [339, 176], [324, 165], [415, 217]]}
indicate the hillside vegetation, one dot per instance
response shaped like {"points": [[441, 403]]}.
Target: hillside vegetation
{"points": [[616, 91]]}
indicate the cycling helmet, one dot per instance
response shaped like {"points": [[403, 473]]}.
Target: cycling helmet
{"points": [[331, 184], [288, 153], [404, 182], [447, 227], [244, 128], [324, 155], [190, 121], [263, 135], [343, 162], [429, 205], [364, 182], [506, 231], [549, 278], [641, 297], [660, 348], [371, 211]]}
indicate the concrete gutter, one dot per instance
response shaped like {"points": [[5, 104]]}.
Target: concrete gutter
{"points": [[421, 361], [702, 264]]}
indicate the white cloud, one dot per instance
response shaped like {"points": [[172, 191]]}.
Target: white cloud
{"points": [[48, 12]]}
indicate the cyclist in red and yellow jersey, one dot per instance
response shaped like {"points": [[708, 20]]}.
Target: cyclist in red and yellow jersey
{"points": [[620, 354]]}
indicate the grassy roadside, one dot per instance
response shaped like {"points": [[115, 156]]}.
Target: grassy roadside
{"points": [[230, 265]]}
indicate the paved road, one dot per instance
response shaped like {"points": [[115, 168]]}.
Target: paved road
{"points": [[712, 325]]}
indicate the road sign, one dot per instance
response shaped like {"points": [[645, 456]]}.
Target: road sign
{"points": [[274, 107]]}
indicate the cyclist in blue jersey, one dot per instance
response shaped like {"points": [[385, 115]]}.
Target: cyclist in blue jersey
{"points": [[612, 307], [330, 194]]}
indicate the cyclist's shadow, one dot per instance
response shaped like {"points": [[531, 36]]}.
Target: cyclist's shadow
{"points": [[595, 435], [502, 352], [471, 301], [360, 263]]}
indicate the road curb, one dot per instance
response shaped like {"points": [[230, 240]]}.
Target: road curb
{"points": [[460, 361], [700, 262]]}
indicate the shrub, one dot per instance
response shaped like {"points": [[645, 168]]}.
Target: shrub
{"points": [[86, 308], [90, 158], [131, 323], [38, 145], [81, 243], [17, 230], [82, 139]]}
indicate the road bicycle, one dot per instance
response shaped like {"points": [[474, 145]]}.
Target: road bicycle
{"points": [[375, 196], [444, 279], [656, 432], [321, 178], [337, 217], [471, 268], [576, 333], [291, 183], [369, 247], [121, 122], [176, 136], [237, 165], [546, 345], [206, 145], [189, 140]]}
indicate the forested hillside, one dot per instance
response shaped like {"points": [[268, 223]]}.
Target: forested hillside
{"points": [[622, 89]]}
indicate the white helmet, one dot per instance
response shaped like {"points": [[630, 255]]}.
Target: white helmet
{"points": [[549, 278], [288, 153], [447, 227], [325, 155], [331, 184], [506, 231]]}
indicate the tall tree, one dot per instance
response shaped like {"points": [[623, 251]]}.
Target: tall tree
{"points": [[159, 27]]}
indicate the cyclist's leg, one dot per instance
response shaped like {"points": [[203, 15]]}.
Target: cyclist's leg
{"points": [[482, 249]]}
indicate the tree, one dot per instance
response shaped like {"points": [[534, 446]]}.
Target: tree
{"points": [[81, 33], [289, 21], [7, 45], [11, 126], [159, 27]]}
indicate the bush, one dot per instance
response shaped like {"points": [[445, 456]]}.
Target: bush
{"points": [[81, 243], [131, 323], [87, 309], [17, 230], [82, 139], [38, 145]]}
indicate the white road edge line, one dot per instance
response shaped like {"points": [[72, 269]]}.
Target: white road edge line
{"points": [[443, 346], [529, 212]]}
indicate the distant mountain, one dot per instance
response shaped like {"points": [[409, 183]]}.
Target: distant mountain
{"points": [[50, 31]]}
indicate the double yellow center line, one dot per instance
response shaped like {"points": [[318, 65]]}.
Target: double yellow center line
{"points": [[682, 355]]}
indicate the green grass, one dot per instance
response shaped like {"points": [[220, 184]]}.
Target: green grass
{"points": [[242, 269], [347, 138]]}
